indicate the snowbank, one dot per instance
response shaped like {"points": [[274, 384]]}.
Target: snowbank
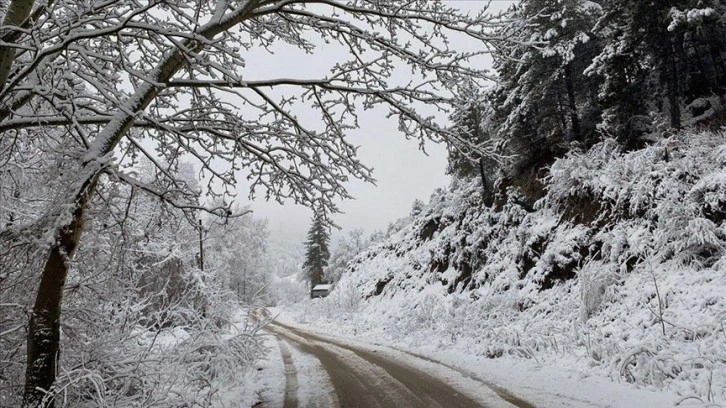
{"points": [[618, 272]]}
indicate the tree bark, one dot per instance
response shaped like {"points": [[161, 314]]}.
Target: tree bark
{"points": [[487, 193], [201, 246], [43, 341], [561, 108], [574, 117], [673, 86], [665, 41], [18, 11]]}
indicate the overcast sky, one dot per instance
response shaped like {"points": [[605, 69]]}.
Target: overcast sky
{"points": [[402, 171]]}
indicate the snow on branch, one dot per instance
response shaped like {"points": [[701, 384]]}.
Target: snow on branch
{"points": [[172, 74]]}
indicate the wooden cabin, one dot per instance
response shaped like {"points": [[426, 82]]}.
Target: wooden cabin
{"points": [[321, 290]]}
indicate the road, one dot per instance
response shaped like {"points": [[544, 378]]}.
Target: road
{"points": [[325, 372]]}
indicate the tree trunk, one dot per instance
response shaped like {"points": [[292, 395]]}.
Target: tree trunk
{"points": [[561, 108], [670, 67], [201, 246], [715, 48], [17, 12], [244, 284], [487, 194], [673, 91], [574, 117], [43, 339]]}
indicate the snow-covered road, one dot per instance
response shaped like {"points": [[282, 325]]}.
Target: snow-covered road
{"points": [[347, 375], [313, 366]]}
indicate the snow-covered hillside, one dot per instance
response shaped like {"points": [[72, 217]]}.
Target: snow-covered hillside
{"points": [[619, 271], [282, 264]]}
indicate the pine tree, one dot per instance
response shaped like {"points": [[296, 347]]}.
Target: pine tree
{"points": [[542, 101], [467, 122], [660, 56], [317, 252]]}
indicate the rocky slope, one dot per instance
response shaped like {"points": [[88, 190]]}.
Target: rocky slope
{"points": [[620, 270]]}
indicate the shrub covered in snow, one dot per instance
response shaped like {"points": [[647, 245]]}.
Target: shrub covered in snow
{"points": [[619, 269]]}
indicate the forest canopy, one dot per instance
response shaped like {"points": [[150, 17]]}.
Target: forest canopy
{"points": [[576, 72]]}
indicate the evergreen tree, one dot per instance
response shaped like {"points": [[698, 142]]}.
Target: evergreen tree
{"points": [[416, 208], [471, 122], [467, 122], [317, 252], [659, 58], [542, 101]]}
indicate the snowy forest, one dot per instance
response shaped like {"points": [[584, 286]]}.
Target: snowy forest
{"points": [[584, 227]]}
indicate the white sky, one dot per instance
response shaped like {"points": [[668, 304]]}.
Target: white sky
{"points": [[402, 171]]}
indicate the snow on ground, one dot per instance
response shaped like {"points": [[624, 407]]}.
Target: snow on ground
{"points": [[246, 391], [540, 385], [314, 386], [259, 384], [608, 292], [616, 276], [269, 376]]}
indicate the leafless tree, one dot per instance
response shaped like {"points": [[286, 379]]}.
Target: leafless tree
{"points": [[91, 85]]}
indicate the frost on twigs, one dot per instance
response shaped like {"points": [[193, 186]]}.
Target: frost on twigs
{"points": [[142, 324], [168, 80], [104, 104]]}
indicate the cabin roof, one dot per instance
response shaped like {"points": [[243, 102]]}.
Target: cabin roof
{"points": [[323, 286]]}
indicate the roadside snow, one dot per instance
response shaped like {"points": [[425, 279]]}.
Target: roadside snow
{"points": [[262, 383], [314, 386], [616, 274], [539, 385]]}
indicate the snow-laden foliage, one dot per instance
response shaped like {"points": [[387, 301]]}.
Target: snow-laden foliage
{"points": [[618, 271], [87, 88], [634, 71], [283, 263], [346, 248], [237, 249], [143, 324]]}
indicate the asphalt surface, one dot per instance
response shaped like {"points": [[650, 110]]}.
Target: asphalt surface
{"points": [[367, 378]]}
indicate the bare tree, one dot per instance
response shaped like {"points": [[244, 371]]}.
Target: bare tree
{"points": [[92, 85]]}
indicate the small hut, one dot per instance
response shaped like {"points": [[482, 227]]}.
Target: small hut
{"points": [[321, 290]]}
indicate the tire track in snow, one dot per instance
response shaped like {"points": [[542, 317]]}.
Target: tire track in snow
{"points": [[356, 385], [363, 378], [504, 393], [291, 385]]}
